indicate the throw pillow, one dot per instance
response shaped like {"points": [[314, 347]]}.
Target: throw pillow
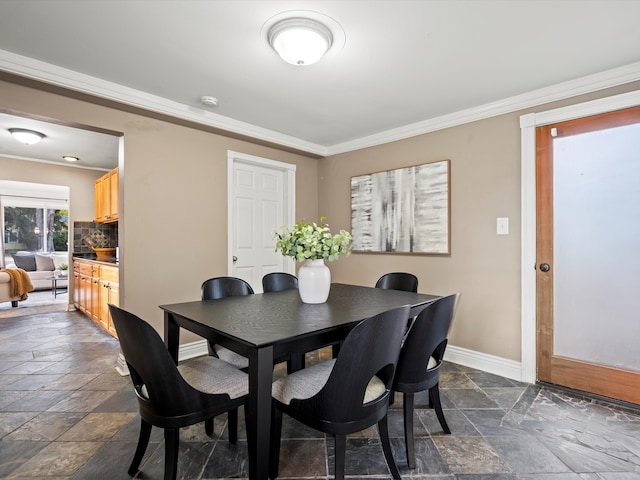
{"points": [[26, 262], [44, 263]]}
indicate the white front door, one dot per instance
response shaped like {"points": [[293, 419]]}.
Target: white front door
{"points": [[261, 201]]}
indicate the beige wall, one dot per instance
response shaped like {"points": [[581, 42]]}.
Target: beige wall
{"points": [[80, 182], [485, 185], [174, 209], [174, 185]]}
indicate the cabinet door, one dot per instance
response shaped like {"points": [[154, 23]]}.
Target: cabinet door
{"points": [[99, 207], [113, 195], [114, 298], [103, 304], [95, 300], [84, 299], [76, 289]]}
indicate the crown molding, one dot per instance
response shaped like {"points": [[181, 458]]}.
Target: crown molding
{"points": [[69, 79], [79, 82], [592, 83], [49, 162]]}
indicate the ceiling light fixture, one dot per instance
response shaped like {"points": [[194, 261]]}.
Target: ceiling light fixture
{"points": [[300, 41], [70, 158], [28, 137]]}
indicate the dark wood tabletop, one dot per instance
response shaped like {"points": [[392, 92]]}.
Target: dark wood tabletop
{"points": [[266, 326]]}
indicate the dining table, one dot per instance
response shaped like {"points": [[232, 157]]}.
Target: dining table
{"points": [[270, 326]]}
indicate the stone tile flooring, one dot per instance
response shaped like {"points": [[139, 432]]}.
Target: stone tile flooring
{"points": [[66, 414]]}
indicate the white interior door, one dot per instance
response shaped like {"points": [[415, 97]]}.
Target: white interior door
{"points": [[261, 201]]}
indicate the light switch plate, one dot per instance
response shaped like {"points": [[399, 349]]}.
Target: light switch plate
{"points": [[502, 226]]}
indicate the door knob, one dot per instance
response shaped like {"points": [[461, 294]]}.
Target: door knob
{"points": [[235, 259], [544, 267]]}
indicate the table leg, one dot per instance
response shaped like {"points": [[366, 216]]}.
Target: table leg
{"points": [[171, 335], [259, 412]]}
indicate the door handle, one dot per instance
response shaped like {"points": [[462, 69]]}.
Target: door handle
{"points": [[235, 259], [545, 267]]}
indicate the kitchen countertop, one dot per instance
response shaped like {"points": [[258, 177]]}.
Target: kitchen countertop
{"points": [[91, 257]]}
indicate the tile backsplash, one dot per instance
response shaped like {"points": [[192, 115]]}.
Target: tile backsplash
{"points": [[99, 234]]}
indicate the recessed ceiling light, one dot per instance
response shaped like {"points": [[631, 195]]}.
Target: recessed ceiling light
{"points": [[70, 158], [28, 137]]}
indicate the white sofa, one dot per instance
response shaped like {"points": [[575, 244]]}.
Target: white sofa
{"points": [[38, 269]]}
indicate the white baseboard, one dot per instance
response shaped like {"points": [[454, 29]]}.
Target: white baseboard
{"points": [[482, 361], [121, 365], [468, 358], [192, 350], [185, 352]]}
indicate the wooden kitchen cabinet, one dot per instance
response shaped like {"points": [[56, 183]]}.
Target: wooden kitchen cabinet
{"points": [[95, 286], [109, 293], [83, 293], [106, 197]]}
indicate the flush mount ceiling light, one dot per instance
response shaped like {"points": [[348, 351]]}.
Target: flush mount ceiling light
{"points": [[302, 37], [300, 41], [28, 137], [70, 158]]}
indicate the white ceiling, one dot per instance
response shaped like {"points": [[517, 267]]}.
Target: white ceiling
{"points": [[95, 150], [404, 65]]}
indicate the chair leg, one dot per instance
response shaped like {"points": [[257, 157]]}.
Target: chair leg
{"points": [[434, 397], [208, 426], [341, 449], [407, 409], [276, 433], [232, 424], [383, 431], [143, 442], [171, 440]]}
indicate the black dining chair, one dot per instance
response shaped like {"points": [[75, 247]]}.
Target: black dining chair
{"points": [[420, 361], [170, 396], [223, 287], [279, 281], [406, 282], [347, 394]]}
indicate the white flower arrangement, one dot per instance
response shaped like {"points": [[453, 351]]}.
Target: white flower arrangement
{"points": [[313, 241]]}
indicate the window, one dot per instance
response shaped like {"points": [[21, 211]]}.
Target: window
{"points": [[35, 229], [34, 217]]}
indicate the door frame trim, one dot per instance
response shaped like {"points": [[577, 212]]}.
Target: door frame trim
{"points": [[528, 125], [289, 171]]}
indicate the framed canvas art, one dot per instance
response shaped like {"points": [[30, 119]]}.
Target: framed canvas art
{"points": [[405, 210]]}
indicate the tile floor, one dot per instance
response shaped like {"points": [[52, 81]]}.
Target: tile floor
{"points": [[66, 414]]}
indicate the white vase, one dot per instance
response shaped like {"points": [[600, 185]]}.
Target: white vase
{"points": [[314, 281]]}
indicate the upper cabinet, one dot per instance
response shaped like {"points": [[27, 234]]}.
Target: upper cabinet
{"points": [[106, 197]]}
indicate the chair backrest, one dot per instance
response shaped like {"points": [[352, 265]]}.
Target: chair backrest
{"points": [[407, 282], [371, 348], [278, 281], [165, 393], [222, 287], [426, 339]]}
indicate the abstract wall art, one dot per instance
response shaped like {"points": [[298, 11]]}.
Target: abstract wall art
{"points": [[406, 210]]}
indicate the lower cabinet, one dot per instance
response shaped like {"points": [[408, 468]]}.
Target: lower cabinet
{"points": [[95, 287], [109, 293]]}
